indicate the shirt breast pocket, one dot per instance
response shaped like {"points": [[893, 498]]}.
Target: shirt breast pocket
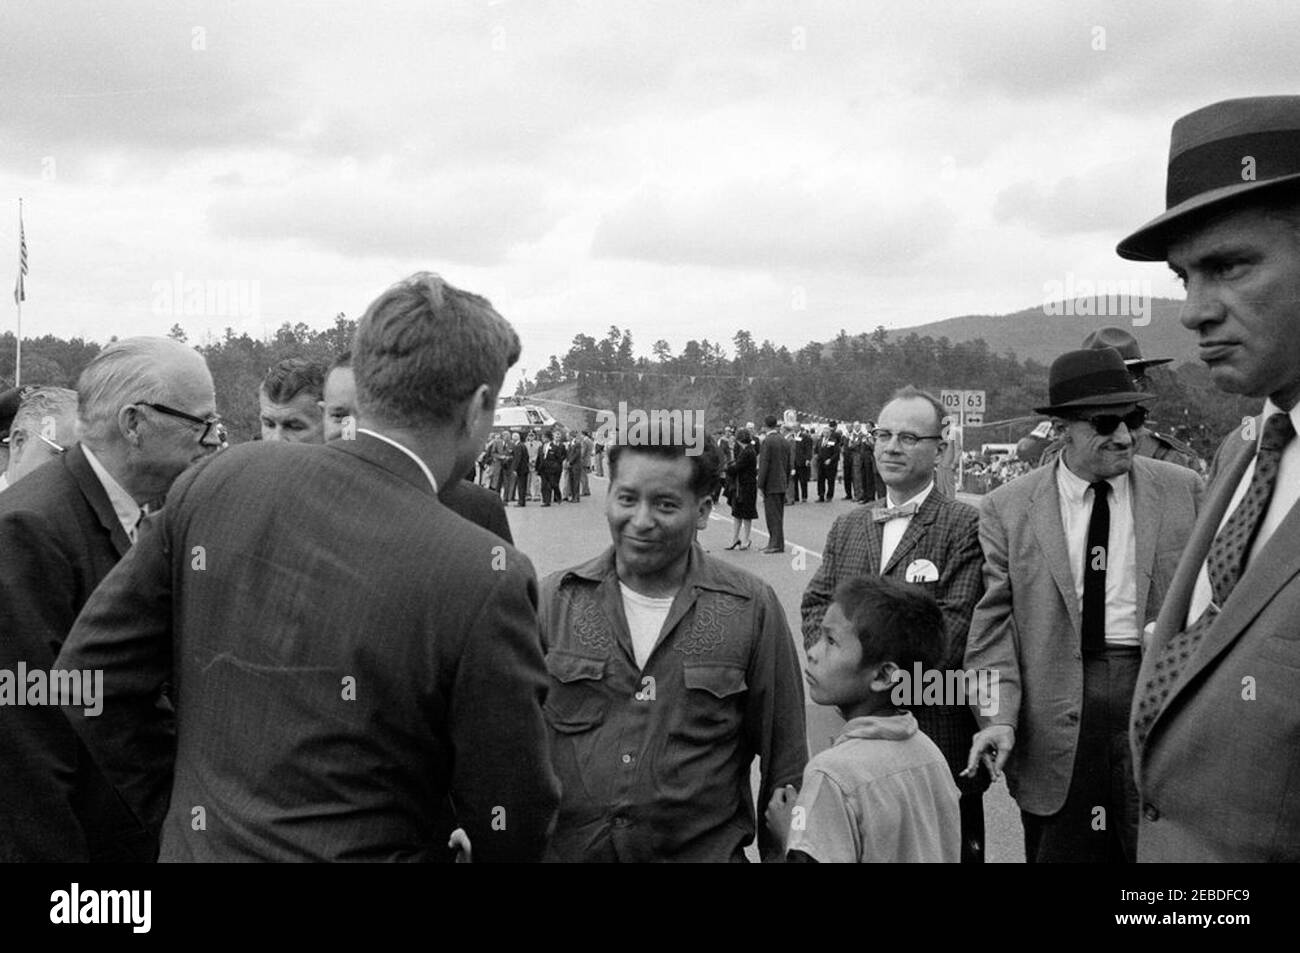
{"points": [[715, 698], [576, 701]]}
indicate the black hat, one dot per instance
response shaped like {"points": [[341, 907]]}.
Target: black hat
{"points": [[1089, 378], [1218, 154], [1127, 346]]}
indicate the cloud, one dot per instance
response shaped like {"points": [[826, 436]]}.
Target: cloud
{"points": [[1102, 199], [775, 225], [469, 218]]}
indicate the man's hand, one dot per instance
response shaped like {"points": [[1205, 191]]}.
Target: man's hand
{"points": [[778, 813], [993, 745]]}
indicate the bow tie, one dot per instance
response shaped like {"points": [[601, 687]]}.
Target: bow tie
{"points": [[887, 513]]}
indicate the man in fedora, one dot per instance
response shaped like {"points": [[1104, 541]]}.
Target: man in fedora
{"points": [[1216, 716], [1077, 559], [1146, 442]]}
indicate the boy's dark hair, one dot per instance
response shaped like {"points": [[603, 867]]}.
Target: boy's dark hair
{"points": [[769, 421], [894, 621], [704, 465]]}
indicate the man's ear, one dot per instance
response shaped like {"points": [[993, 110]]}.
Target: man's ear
{"points": [[128, 424], [882, 677], [480, 411], [705, 507]]}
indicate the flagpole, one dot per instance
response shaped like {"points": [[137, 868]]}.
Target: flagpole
{"points": [[18, 300]]}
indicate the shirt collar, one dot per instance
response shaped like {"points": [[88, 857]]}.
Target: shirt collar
{"points": [[898, 727], [126, 508], [1074, 486], [701, 571], [424, 468], [918, 498]]}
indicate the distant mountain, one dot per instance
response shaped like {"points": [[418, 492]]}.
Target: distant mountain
{"points": [[1035, 335]]}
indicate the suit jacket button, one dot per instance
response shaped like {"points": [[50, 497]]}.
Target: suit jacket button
{"points": [[1150, 813]]}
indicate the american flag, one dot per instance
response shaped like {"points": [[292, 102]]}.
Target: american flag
{"points": [[20, 293]]}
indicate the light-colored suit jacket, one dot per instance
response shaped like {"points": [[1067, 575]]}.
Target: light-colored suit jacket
{"points": [[1027, 627], [1219, 772]]}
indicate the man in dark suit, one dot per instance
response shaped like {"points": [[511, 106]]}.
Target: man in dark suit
{"points": [[828, 459], [146, 412], [773, 474], [1078, 557], [338, 671], [1216, 719], [804, 450], [475, 503], [917, 536], [519, 463], [550, 464]]}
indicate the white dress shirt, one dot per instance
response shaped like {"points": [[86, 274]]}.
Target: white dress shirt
{"points": [[893, 530], [1076, 498], [420, 463], [1286, 491], [127, 509]]}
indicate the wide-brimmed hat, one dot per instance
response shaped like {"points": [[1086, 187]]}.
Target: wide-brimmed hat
{"points": [[1127, 346], [1089, 378], [1218, 154]]}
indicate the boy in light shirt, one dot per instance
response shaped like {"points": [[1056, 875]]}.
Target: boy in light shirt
{"points": [[882, 793]]}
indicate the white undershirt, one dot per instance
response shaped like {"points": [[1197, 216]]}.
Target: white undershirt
{"points": [[645, 621], [1286, 491], [892, 532], [1121, 544]]}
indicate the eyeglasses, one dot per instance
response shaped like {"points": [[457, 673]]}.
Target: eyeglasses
{"points": [[212, 426], [1107, 424], [906, 439]]}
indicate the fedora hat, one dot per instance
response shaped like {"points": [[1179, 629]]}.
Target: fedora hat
{"points": [[1127, 346], [1217, 155], [1089, 377]]}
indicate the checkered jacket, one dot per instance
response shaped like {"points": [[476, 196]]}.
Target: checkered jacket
{"points": [[946, 532]]}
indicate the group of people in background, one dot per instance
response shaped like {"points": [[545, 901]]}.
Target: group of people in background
{"points": [[550, 465]]}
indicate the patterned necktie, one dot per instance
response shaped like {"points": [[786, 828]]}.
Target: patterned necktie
{"points": [[1094, 571], [1223, 566], [887, 513]]}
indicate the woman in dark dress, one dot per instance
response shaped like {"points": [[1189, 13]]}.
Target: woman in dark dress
{"points": [[744, 506]]}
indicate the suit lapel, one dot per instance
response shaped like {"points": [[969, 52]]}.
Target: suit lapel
{"points": [[1148, 514], [875, 538], [97, 497], [917, 527], [1270, 569], [386, 457], [1173, 614], [1045, 516]]}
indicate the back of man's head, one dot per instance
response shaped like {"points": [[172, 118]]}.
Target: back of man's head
{"points": [[45, 424], [423, 347], [769, 421]]}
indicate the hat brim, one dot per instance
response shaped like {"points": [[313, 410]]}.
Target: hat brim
{"points": [[1101, 400], [1151, 241]]}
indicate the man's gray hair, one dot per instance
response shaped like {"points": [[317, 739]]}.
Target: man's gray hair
{"points": [[126, 372], [41, 403], [423, 347]]}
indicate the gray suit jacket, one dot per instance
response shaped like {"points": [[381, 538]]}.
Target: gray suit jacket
{"points": [[1219, 773], [1027, 627], [344, 652]]}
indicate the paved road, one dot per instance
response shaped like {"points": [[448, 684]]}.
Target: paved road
{"points": [[572, 533]]}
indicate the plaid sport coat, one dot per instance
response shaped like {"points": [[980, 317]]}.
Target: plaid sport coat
{"points": [[946, 532]]}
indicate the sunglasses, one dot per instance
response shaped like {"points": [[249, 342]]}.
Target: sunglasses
{"points": [[1107, 424]]}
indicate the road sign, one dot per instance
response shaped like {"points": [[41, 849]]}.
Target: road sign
{"points": [[972, 401], [974, 420], [951, 400]]}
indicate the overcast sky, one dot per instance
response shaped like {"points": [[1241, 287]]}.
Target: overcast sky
{"points": [[682, 169]]}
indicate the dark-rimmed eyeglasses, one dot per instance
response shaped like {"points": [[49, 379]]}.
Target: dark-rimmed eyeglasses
{"points": [[906, 439], [1107, 424], [212, 426]]}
